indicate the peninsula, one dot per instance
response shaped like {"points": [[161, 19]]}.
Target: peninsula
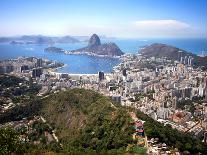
{"points": [[94, 48]]}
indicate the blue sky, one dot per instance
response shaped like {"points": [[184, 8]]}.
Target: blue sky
{"points": [[116, 18]]}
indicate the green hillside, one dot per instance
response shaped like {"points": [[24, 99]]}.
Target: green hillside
{"points": [[86, 122]]}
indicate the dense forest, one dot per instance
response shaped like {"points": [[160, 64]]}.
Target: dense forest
{"points": [[85, 123]]}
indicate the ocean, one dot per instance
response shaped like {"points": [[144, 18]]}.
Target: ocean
{"points": [[83, 64]]}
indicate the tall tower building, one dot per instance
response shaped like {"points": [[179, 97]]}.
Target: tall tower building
{"points": [[101, 76], [39, 63], [185, 60], [180, 56], [174, 102], [181, 59], [36, 72], [124, 72]]}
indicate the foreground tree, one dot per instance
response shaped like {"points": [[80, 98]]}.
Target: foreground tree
{"points": [[9, 142]]}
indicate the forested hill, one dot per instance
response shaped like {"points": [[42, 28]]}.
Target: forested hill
{"points": [[85, 120]]}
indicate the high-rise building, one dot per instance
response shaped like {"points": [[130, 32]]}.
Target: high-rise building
{"points": [[64, 75], [9, 68], [101, 76], [205, 137], [36, 72], [116, 98], [124, 72], [185, 60], [174, 102], [39, 63], [2, 69], [206, 93], [188, 61], [24, 67], [181, 59], [163, 113]]}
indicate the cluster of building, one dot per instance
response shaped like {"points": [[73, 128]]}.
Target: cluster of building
{"points": [[27, 66], [171, 92], [166, 87], [153, 146], [34, 130]]}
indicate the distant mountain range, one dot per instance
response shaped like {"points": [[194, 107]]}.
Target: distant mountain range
{"points": [[41, 39], [38, 39], [173, 53]]}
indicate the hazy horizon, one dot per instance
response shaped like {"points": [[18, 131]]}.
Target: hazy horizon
{"points": [[104, 36]]}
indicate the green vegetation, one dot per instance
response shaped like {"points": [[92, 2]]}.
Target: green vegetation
{"points": [[139, 150], [172, 137], [9, 81], [30, 108], [9, 142], [11, 86], [86, 122]]}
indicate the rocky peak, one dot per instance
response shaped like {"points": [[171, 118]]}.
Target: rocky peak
{"points": [[95, 47], [94, 40]]}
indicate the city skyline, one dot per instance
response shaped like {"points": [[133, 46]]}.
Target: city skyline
{"points": [[123, 19]]}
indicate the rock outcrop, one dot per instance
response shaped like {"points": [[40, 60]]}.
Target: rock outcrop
{"points": [[94, 41]]}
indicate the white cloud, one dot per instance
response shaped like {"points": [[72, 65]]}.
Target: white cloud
{"points": [[161, 24], [134, 29], [161, 28]]}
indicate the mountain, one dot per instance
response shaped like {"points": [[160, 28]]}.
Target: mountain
{"points": [[86, 38], [66, 39], [85, 122], [173, 53], [87, 118], [5, 39], [94, 41], [38, 39], [95, 47]]}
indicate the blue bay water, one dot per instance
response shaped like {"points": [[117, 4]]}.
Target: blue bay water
{"points": [[89, 64]]}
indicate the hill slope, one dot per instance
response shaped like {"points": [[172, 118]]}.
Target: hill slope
{"points": [[85, 121], [170, 52]]}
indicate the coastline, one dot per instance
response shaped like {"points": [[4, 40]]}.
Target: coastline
{"points": [[90, 54], [55, 69]]}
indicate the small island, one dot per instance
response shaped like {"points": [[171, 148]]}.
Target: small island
{"points": [[16, 42], [54, 49]]}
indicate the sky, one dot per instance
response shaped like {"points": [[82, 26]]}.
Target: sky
{"points": [[113, 18]]}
